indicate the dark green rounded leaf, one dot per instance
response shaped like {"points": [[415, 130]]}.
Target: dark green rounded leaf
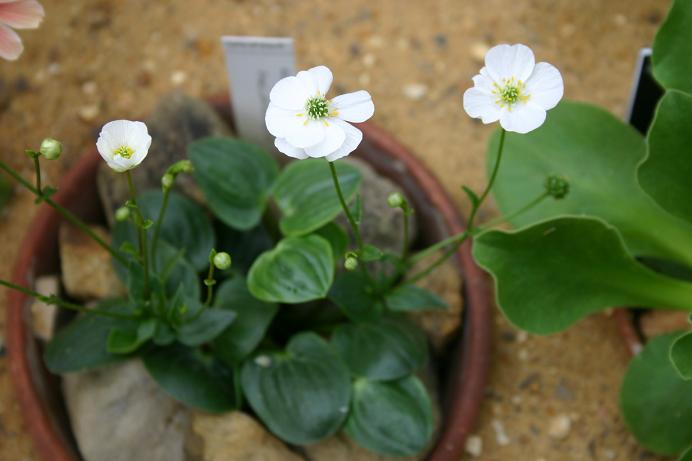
{"points": [[301, 394], [687, 456], [383, 350], [681, 355], [192, 378], [655, 401], [551, 274], [336, 237], [299, 269], [205, 326], [672, 53], [252, 320], [353, 293], [236, 178], [413, 298], [393, 418], [306, 195]]}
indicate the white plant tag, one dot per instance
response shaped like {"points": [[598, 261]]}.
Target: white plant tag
{"points": [[254, 65]]}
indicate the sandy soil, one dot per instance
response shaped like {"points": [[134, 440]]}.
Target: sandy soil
{"points": [[93, 61]]}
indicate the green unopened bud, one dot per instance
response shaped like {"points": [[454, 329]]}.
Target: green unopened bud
{"points": [[222, 261], [182, 166], [167, 181], [556, 186], [122, 214], [50, 148], [395, 200], [351, 263]]}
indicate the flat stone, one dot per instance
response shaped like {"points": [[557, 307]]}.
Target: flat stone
{"points": [[44, 316], [474, 445], [236, 436], [87, 268], [118, 413], [177, 120], [559, 426]]}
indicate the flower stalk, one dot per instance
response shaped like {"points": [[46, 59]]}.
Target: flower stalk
{"points": [[140, 224]]}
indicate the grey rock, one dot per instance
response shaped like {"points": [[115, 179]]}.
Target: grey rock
{"points": [[119, 413], [177, 120]]}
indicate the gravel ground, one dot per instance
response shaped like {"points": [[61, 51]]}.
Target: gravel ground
{"points": [[549, 399]]}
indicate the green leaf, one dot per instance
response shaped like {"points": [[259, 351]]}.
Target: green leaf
{"points": [[306, 196], [302, 394], [204, 328], [383, 350], [253, 317], [554, 273], [336, 237], [127, 340], [81, 345], [244, 246], [671, 57], [665, 172], [413, 298], [371, 253], [393, 418], [598, 154], [681, 355], [357, 209], [355, 296], [191, 377], [236, 178], [687, 456], [655, 401], [473, 198], [299, 269], [185, 225], [174, 270]]}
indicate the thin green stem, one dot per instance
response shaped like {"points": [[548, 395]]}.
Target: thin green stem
{"points": [[491, 182], [210, 282], [405, 243], [157, 229], [143, 250], [439, 261], [64, 212], [349, 216], [37, 167], [515, 213], [54, 300]]}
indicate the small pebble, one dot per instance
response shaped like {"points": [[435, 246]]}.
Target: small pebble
{"points": [[376, 41], [559, 427], [415, 91], [263, 361], [500, 435], [88, 113], [89, 87], [369, 60], [474, 446], [478, 50], [364, 79], [178, 77]]}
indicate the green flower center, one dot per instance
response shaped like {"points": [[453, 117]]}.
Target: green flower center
{"points": [[511, 92], [317, 107], [124, 151]]}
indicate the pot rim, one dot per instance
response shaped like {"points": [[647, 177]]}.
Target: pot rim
{"points": [[466, 382]]}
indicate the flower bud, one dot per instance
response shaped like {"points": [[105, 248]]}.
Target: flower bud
{"points": [[222, 261], [395, 200], [181, 166], [122, 214], [556, 186], [351, 263], [50, 148], [167, 181]]}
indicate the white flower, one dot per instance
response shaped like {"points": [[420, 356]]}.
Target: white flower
{"points": [[307, 124], [513, 89], [123, 144]]}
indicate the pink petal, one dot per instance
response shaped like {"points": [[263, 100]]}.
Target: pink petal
{"points": [[21, 14], [10, 44]]}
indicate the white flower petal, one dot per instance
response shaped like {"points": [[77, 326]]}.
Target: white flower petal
{"points": [[280, 122], [322, 77], [285, 148], [480, 104], [307, 80], [289, 93], [545, 86], [522, 118], [353, 138], [310, 133], [334, 138], [483, 82], [507, 61], [354, 107]]}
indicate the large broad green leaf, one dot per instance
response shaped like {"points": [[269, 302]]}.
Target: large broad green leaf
{"points": [[413, 298], [299, 269], [185, 225], [656, 402], [354, 294], [672, 53], [205, 327], [599, 155], [687, 456], [681, 355], [192, 377], [81, 345], [236, 178], [665, 173], [301, 394], [394, 418], [383, 350], [306, 196], [252, 320], [553, 273], [244, 246]]}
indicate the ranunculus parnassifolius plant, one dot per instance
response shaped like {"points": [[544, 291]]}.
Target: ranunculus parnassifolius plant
{"points": [[514, 89], [308, 124], [123, 144]]}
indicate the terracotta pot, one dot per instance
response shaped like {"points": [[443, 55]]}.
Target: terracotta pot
{"points": [[39, 392]]}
